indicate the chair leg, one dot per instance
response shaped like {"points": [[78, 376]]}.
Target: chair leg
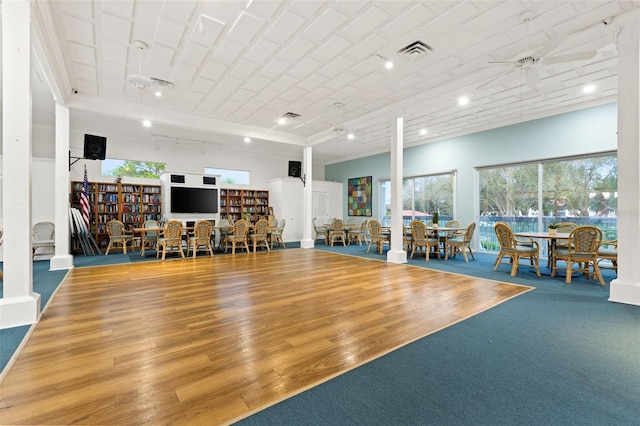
{"points": [[514, 266], [568, 275]]}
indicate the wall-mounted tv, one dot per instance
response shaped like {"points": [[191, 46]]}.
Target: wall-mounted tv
{"points": [[194, 200]]}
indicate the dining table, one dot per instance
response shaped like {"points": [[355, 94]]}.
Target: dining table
{"points": [[553, 237]]}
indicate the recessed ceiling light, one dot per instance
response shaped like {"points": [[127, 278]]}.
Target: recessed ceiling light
{"points": [[350, 136], [589, 88], [146, 123], [158, 94], [282, 121], [423, 132], [247, 139], [463, 100], [388, 64]]}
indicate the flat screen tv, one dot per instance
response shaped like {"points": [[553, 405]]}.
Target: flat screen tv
{"points": [[194, 200]]}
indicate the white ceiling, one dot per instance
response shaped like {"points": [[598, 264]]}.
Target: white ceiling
{"points": [[238, 66]]}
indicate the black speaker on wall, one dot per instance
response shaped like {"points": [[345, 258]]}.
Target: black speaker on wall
{"points": [[295, 169], [95, 147]]}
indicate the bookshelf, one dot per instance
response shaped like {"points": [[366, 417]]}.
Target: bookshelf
{"points": [[250, 204], [130, 203]]}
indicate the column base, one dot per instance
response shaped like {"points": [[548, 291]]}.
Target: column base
{"points": [[621, 292], [307, 243], [61, 262], [17, 311], [397, 256]]}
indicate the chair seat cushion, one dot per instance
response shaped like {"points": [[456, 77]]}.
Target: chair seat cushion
{"points": [[526, 249], [607, 252]]}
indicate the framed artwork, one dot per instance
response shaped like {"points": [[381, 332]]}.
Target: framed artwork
{"points": [[359, 200]]}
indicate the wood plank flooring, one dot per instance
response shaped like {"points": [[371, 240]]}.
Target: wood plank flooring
{"points": [[212, 340]]}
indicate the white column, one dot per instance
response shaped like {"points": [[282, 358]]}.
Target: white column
{"points": [[396, 254], [19, 304], [626, 287], [62, 258], [307, 204]]}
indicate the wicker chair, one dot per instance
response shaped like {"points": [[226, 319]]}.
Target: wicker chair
{"points": [[422, 239], [224, 229], [239, 236], [43, 237], [461, 243], [336, 232], [200, 237], [563, 228], [358, 234], [608, 251], [276, 234], [320, 231], [118, 236], [516, 249], [582, 249], [259, 235], [170, 238], [376, 235], [149, 238]]}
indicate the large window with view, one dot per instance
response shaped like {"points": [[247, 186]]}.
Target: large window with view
{"points": [[421, 197], [130, 168], [228, 176], [528, 197]]}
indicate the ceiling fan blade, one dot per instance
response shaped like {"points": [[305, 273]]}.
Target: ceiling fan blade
{"points": [[570, 57], [533, 78], [495, 80], [551, 45]]}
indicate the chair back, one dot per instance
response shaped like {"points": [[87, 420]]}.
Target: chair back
{"points": [[375, 227], [566, 227], [151, 223], [44, 231], [584, 240], [260, 228], [283, 222], [363, 225], [453, 223], [418, 230], [337, 225], [115, 229], [173, 230], [240, 228], [468, 235], [273, 223], [202, 230], [505, 235]]}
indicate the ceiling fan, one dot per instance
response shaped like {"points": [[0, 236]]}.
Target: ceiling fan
{"points": [[527, 61]]}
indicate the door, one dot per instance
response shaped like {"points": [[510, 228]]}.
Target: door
{"points": [[320, 207]]}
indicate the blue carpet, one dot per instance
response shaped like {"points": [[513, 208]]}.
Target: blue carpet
{"points": [[558, 355]]}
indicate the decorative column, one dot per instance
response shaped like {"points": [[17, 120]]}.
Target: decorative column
{"points": [[626, 287], [19, 304], [307, 205], [62, 258], [396, 254]]}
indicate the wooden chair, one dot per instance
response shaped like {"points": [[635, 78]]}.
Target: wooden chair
{"points": [[149, 239], [376, 235], [43, 237], [608, 251], [516, 249], [276, 234], [118, 236], [563, 228], [336, 232], [320, 231], [358, 234], [170, 238], [461, 243], [225, 228], [200, 237], [259, 235], [582, 249], [238, 236], [422, 239]]}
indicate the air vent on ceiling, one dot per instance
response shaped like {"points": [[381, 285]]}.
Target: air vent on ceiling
{"points": [[163, 83], [415, 51], [290, 115]]}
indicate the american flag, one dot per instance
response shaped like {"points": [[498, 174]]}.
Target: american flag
{"points": [[84, 199]]}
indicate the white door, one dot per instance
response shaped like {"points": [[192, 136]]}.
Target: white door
{"points": [[320, 207]]}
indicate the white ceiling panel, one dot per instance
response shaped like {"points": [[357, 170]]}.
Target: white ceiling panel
{"points": [[257, 83], [261, 51], [78, 30], [417, 15], [85, 72], [183, 72], [193, 54], [122, 8], [325, 25], [287, 24], [82, 54], [368, 47], [246, 28], [168, 32], [369, 20], [179, 11], [116, 71], [214, 70], [80, 9], [296, 49], [333, 47], [207, 30], [159, 59], [244, 69], [304, 68], [274, 68], [116, 29], [228, 52]]}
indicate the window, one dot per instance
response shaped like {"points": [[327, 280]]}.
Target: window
{"points": [[421, 197], [227, 176], [530, 196], [141, 169]]}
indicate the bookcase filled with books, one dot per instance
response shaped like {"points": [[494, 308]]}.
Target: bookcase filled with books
{"points": [[250, 204], [130, 203]]}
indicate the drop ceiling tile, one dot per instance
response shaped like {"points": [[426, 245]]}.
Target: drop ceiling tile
{"points": [[168, 32], [202, 85], [304, 68], [368, 47], [115, 28], [115, 71], [267, 95], [366, 22], [120, 8], [110, 86], [183, 73], [160, 58], [344, 94], [331, 48], [82, 54], [325, 25], [206, 31], [352, 6], [274, 68], [308, 7], [214, 70], [313, 81], [261, 51], [79, 9], [227, 52], [486, 46], [230, 84], [193, 97], [490, 18], [193, 54], [340, 81], [450, 19], [265, 9], [284, 83], [85, 72], [257, 83], [245, 28], [244, 69], [296, 49], [115, 52], [368, 80], [337, 67], [179, 11], [78, 30], [285, 26], [218, 96], [292, 94]]}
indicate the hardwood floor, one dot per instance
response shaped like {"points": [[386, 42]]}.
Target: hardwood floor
{"points": [[211, 340]]}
